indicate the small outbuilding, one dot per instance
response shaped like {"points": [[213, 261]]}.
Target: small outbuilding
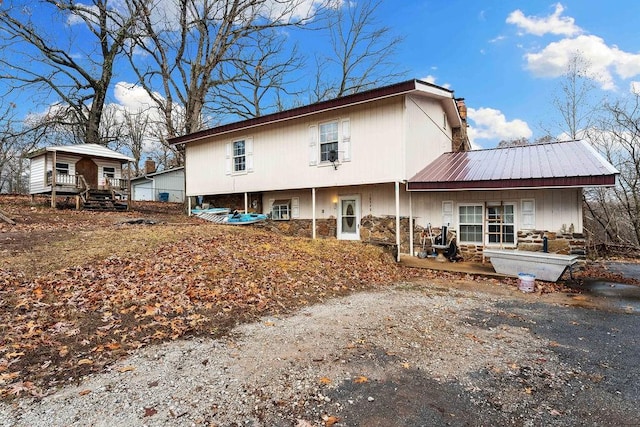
{"points": [[165, 186], [95, 175]]}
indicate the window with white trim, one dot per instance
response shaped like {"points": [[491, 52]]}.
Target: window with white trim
{"points": [[501, 224], [470, 223], [239, 159], [109, 172], [281, 210], [328, 140], [62, 168]]}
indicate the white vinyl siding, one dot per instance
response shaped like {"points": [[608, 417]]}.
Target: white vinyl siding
{"points": [[37, 175]]}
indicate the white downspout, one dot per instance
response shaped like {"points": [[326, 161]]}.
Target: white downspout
{"points": [[246, 202], [397, 184], [313, 213]]}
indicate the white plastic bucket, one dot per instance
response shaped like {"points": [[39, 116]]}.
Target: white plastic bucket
{"points": [[526, 282]]}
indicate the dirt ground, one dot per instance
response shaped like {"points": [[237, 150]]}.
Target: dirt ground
{"points": [[386, 347]]}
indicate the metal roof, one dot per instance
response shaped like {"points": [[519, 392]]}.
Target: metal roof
{"points": [[149, 176], [417, 87], [91, 150], [558, 164]]}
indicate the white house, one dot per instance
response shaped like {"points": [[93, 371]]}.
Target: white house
{"points": [[358, 167], [89, 172], [166, 185]]}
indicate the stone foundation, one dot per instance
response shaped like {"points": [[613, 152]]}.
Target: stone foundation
{"points": [[372, 229], [564, 243], [325, 228]]}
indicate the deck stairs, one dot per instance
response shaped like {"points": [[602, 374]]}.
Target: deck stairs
{"points": [[103, 200]]}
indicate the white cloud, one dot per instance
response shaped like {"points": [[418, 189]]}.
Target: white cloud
{"points": [[491, 124], [552, 24], [603, 60], [132, 97], [432, 79], [635, 88]]}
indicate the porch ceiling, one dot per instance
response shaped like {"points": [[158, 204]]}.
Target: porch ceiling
{"points": [[560, 164]]}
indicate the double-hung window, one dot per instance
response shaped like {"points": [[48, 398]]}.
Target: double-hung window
{"points": [[328, 140], [109, 172], [239, 159], [501, 224], [470, 223], [62, 168]]}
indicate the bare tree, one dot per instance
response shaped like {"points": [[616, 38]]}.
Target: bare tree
{"points": [[74, 68], [258, 78], [137, 129], [362, 51], [619, 141], [575, 100], [179, 55], [16, 141]]}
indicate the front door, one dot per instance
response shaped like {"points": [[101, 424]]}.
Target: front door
{"points": [[89, 170], [349, 218]]}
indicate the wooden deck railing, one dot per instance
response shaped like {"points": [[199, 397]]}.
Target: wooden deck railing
{"points": [[63, 180]]}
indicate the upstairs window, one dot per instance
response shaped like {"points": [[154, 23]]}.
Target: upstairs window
{"points": [[328, 140], [281, 210], [239, 159], [109, 172], [62, 168]]}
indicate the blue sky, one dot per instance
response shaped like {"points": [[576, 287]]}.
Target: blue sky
{"points": [[506, 58], [509, 56]]}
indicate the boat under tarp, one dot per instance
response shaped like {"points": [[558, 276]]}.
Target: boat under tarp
{"points": [[544, 266]]}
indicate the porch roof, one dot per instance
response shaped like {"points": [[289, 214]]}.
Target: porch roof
{"points": [[91, 150], [559, 164]]}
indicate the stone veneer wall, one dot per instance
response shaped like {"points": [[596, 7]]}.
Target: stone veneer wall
{"points": [[325, 228], [561, 242], [565, 243], [372, 229]]}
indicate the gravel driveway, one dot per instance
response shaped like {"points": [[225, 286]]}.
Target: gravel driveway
{"points": [[414, 354]]}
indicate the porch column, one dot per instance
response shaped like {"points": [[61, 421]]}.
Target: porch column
{"points": [[410, 225], [398, 219], [313, 213], [246, 202], [53, 178], [129, 189], [189, 206]]}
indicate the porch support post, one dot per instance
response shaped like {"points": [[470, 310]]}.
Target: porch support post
{"points": [[129, 189], [397, 184], [313, 213], [53, 179], [246, 202], [410, 225], [189, 206]]}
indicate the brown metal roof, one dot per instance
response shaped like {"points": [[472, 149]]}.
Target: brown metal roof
{"points": [[559, 164], [357, 98]]}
